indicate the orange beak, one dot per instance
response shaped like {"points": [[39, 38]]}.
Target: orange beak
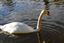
{"points": [[47, 13]]}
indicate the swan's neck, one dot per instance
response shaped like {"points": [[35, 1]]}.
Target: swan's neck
{"points": [[39, 22]]}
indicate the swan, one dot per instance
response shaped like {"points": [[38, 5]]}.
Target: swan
{"points": [[21, 28], [18, 27]]}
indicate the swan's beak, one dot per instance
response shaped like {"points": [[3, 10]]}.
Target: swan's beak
{"points": [[47, 13]]}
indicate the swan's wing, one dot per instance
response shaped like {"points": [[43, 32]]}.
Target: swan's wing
{"points": [[23, 28]]}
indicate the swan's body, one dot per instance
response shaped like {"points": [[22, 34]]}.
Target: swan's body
{"points": [[17, 27]]}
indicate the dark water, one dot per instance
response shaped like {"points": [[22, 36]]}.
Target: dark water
{"points": [[53, 25]]}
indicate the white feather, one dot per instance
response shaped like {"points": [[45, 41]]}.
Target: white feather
{"points": [[1, 26]]}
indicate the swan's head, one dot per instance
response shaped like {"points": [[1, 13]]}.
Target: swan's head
{"points": [[44, 12]]}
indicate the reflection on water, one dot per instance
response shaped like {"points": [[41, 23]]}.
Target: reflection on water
{"points": [[53, 25]]}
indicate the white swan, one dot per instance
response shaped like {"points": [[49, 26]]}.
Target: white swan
{"points": [[19, 28]]}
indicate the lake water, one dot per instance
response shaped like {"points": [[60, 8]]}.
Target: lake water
{"points": [[27, 11]]}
